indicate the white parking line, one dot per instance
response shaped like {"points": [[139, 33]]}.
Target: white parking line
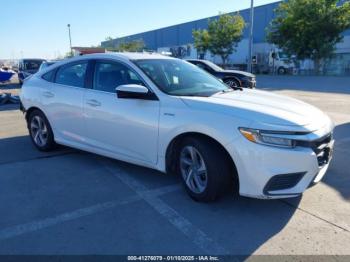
{"points": [[197, 236], [18, 230]]}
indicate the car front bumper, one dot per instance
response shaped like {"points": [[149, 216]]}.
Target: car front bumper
{"points": [[249, 83], [270, 172]]}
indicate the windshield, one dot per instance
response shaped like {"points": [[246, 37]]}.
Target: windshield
{"points": [[32, 64], [213, 66], [283, 56], [179, 78]]}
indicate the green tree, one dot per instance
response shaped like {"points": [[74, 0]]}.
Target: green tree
{"points": [[222, 36], [124, 46], [225, 34], [131, 46], [109, 44], [109, 38], [309, 29], [201, 41]]}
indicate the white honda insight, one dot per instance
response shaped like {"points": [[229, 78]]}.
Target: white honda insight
{"points": [[169, 115]]}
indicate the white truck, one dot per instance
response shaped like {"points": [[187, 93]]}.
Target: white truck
{"points": [[274, 62]]}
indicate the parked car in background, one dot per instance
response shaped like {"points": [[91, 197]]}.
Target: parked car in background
{"points": [[169, 115], [46, 64], [233, 78], [27, 67]]}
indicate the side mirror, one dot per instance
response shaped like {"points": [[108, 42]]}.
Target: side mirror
{"points": [[133, 91]]}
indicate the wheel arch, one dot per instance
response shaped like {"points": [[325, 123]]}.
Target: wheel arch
{"points": [[234, 78], [30, 110], [50, 144], [174, 146]]}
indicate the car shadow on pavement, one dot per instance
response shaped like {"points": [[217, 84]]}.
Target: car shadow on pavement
{"points": [[237, 224], [240, 225], [20, 148], [338, 176]]}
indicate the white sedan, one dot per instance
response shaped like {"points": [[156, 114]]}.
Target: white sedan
{"points": [[169, 115]]}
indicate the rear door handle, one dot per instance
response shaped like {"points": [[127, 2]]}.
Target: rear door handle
{"points": [[93, 103], [48, 94]]}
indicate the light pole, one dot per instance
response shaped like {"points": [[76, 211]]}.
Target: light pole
{"points": [[250, 52], [70, 40]]}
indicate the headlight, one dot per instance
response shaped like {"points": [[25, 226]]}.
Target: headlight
{"points": [[267, 138], [247, 78]]}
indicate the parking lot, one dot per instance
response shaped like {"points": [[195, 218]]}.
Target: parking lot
{"points": [[72, 202]]}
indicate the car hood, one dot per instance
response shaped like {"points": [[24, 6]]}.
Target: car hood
{"points": [[263, 109], [237, 72]]}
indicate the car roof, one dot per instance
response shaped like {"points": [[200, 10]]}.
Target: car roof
{"points": [[51, 61], [32, 59], [127, 56], [195, 60]]}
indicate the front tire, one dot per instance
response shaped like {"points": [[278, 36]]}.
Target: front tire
{"points": [[282, 71], [233, 83], [40, 131], [204, 169]]}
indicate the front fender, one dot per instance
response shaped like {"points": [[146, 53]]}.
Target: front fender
{"points": [[220, 127]]}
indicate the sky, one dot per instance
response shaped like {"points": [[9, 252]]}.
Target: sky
{"points": [[38, 28]]}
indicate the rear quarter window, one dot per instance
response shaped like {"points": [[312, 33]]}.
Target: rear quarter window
{"points": [[49, 76], [72, 74]]}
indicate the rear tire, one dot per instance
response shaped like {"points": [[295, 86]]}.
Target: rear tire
{"points": [[40, 131], [204, 169]]}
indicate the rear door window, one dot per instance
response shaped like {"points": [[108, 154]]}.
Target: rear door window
{"points": [[109, 75]]}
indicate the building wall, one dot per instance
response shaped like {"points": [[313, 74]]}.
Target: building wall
{"points": [[180, 36]]}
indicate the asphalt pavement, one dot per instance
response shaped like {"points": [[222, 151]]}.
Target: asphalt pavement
{"points": [[72, 202]]}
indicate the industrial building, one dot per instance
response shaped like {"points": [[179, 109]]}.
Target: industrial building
{"points": [[178, 40]]}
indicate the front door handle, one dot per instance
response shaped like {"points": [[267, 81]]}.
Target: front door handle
{"points": [[48, 94], [93, 103]]}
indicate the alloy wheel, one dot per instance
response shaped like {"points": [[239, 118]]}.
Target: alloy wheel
{"points": [[39, 131], [193, 169], [232, 83]]}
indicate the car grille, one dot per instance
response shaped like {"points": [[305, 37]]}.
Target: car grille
{"points": [[321, 147]]}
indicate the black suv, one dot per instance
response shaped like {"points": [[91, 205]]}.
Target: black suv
{"points": [[232, 78]]}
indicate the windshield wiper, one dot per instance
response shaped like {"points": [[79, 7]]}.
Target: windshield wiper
{"points": [[228, 90]]}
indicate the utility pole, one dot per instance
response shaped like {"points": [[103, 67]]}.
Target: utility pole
{"points": [[250, 52], [70, 40]]}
